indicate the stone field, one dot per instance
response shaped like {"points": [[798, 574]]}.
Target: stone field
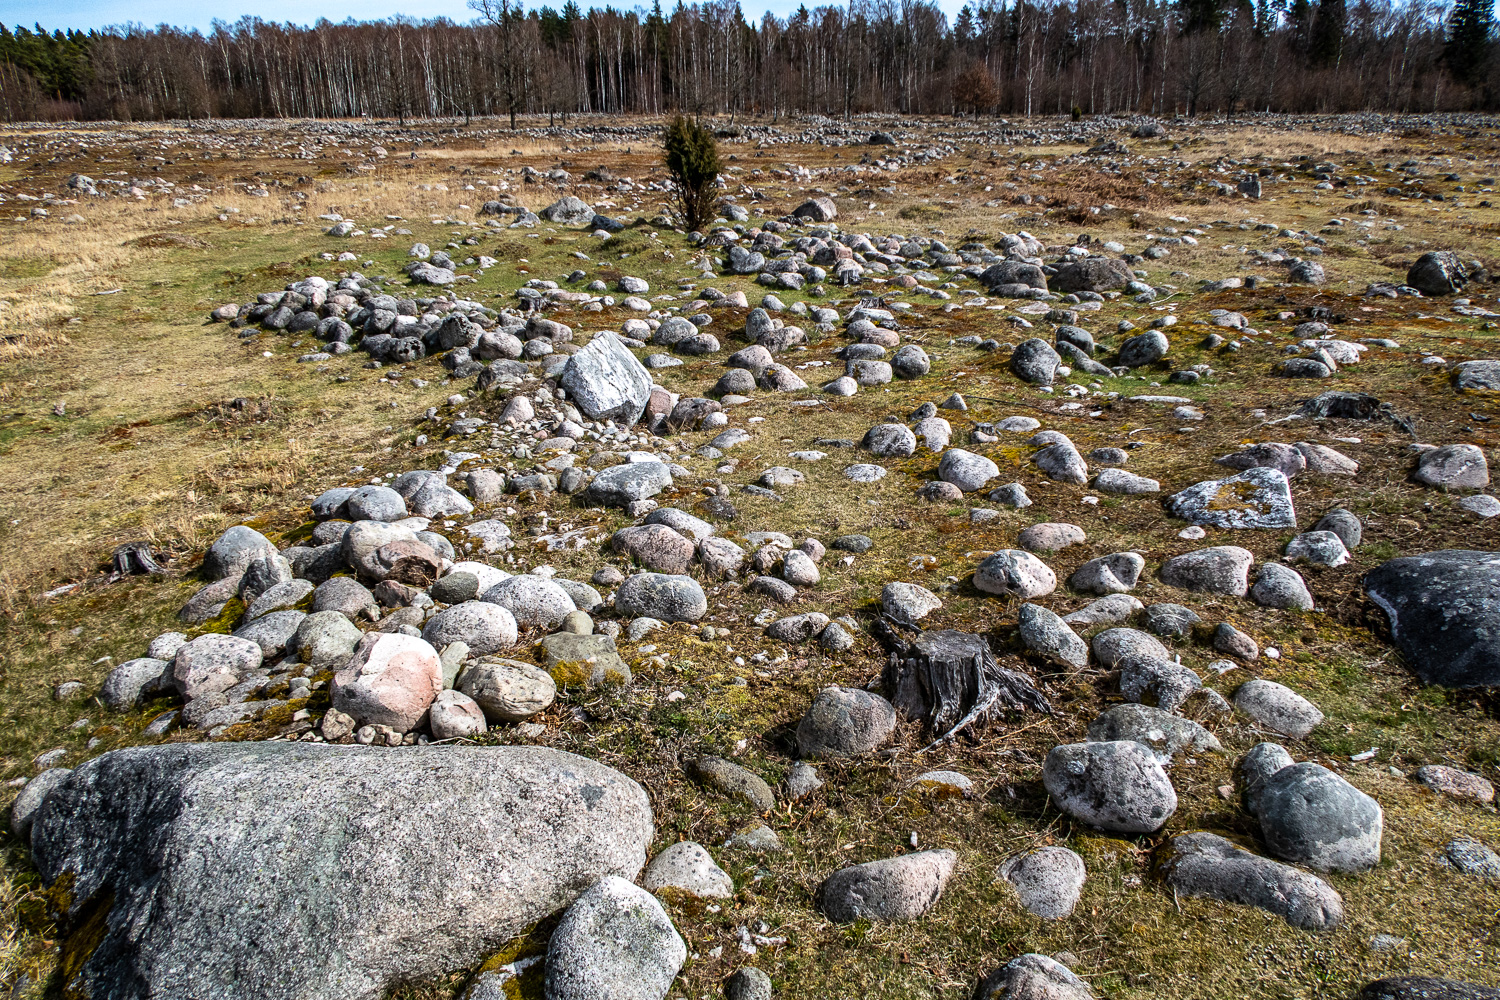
{"points": [[1020, 559]]}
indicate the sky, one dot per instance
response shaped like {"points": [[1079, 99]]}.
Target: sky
{"points": [[200, 14]]}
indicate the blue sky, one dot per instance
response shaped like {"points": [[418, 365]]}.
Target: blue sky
{"points": [[199, 14]]}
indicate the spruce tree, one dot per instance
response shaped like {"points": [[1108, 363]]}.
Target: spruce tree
{"points": [[1467, 52]]}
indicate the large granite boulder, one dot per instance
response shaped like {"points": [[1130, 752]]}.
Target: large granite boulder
{"points": [[1444, 612], [295, 871]]}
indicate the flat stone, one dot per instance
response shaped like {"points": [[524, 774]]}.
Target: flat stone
{"points": [[1206, 866], [733, 780], [1256, 498]]}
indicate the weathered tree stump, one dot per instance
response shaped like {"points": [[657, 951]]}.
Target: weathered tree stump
{"points": [[951, 680], [134, 558]]}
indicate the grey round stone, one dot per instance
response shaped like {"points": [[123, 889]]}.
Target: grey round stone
{"points": [[1035, 361], [347, 596], [482, 626], [1167, 734], [1311, 816], [375, 503], [1204, 865], [1033, 977], [688, 867], [658, 595], [455, 588], [1278, 586], [890, 441], [966, 470], [1115, 573], [1319, 548], [1115, 786], [132, 680], [1220, 569], [615, 941], [911, 362], [1278, 708], [748, 983], [235, 550], [1014, 573], [1143, 349], [508, 690], [533, 601], [325, 640], [1047, 635], [845, 722], [1048, 880], [1115, 644], [24, 809]]}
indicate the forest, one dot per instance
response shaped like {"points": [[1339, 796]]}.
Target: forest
{"points": [[996, 57]]}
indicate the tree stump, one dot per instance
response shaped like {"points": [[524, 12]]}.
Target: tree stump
{"points": [[951, 680]]}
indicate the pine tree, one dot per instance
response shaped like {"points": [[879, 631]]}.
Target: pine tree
{"points": [[1467, 51]]}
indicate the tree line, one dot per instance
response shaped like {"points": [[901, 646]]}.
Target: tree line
{"points": [[1012, 57]]}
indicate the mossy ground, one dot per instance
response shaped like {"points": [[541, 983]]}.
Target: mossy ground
{"points": [[150, 446]]}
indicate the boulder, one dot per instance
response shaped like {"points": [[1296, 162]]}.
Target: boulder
{"points": [[235, 550], [1115, 786], [1033, 977], [507, 690], [390, 680], [482, 626], [134, 680], [1311, 816], [966, 470], [1278, 708], [1167, 734], [1144, 349], [731, 779], [1453, 467], [1115, 573], [1091, 274], [1278, 586], [901, 888], [819, 209], [606, 382], [213, 663], [455, 715], [1438, 272], [1206, 866], [615, 941], [1218, 569], [1256, 498], [620, 485], [1014, 573], [1047, 635], [534, 601], [845, 722], [658, 595], [1444, 613], [1048, 881], [687, 867], [363, 904], [568, 211], [907, 602], [1035, 361]]}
